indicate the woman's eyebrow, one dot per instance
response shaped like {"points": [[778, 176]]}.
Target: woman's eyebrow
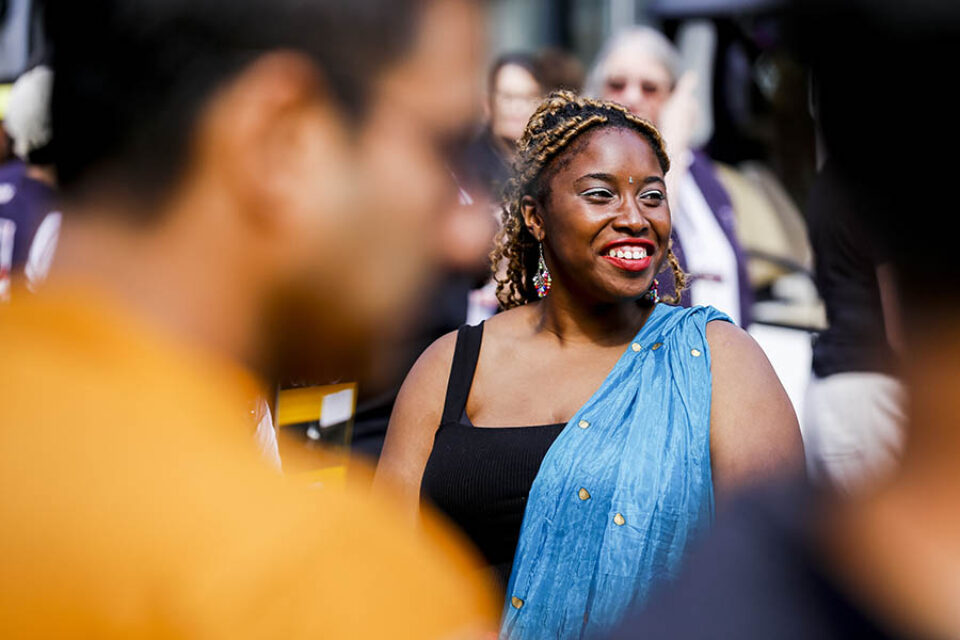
{"points": [[606, 177]]}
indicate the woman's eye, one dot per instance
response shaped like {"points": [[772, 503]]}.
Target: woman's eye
{"points": [[653, 196], [597, 192], [616, 84]]}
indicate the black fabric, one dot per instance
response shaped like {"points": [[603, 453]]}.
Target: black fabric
{"points": [[480, 477], [846, 259], [466, 354], [759, 575], [482, 168]]}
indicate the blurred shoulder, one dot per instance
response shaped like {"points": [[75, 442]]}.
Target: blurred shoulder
{"points": [[421, 579], [292, 545], [754, 576]]}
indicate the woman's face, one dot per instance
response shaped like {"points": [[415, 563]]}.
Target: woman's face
{"points": [[515, 98], [638, 81], [605, 221]]}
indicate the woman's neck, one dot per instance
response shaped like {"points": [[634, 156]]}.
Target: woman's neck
{"points": [[573, 321]]}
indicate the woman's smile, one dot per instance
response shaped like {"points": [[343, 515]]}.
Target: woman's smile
{"points": [[605, 219], [630, 254]]}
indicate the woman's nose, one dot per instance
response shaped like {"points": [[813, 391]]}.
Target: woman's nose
{"points": [[631, 218], [633, 97]]}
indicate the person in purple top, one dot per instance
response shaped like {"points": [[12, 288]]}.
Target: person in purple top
{"points": [[29, 220]]}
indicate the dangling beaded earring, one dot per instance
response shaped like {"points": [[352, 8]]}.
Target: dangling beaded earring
{"points": [[542, 279], [653, 293]]}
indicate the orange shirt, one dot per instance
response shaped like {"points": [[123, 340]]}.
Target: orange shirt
{"points": [[133, 502]]}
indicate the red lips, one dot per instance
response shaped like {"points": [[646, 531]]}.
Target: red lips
{"points": [[650, 246], [629, 264]]}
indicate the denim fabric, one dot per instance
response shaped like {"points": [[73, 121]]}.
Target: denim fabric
{"points": [[644, 460]]}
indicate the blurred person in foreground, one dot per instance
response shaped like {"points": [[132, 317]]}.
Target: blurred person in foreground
{"points": [[584, 436], [793, 562], [642, 70], [29, 219], [514, 90], [247, 188], [464, 292], [456, 297]]}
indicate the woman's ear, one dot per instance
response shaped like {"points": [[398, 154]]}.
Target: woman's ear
{"points": [[530, 210]]}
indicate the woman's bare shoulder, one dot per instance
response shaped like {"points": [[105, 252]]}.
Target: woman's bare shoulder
{"points": [[432, 369], [433, 365], [727, 339], [510, 323], [754, 433]]}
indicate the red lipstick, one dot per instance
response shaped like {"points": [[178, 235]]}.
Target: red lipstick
{"points": [[627, 262]]}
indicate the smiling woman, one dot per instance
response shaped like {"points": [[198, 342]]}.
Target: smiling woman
{"points": [[609, 419], [638, 179]]}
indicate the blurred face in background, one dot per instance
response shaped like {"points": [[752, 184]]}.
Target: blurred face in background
{"points": [[391, 192], [637, 80], [516, 94]]}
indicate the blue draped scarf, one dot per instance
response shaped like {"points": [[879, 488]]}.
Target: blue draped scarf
{"points": [[624, 489]]}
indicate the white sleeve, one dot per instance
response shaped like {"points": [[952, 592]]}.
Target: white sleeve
{"points": [[42, 248], [266, 435]]}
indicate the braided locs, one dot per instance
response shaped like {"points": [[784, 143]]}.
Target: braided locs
{"points": [[559, 119]]}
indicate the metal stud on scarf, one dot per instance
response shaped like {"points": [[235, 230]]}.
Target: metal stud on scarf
{"points": [[542, 279], [653, 293]]}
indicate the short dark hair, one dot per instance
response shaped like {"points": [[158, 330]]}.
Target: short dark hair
{"points": [[133, 75]]}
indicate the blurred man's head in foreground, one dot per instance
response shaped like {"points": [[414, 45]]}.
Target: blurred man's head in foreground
{"points": [[291, 153]]}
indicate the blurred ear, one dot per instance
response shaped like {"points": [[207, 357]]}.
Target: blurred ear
{"points": [[275, 139], [530, 210]]}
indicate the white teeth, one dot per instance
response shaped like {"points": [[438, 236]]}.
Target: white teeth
{"points": [[630, 253]]}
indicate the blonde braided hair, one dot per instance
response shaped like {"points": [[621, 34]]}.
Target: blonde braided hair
{"points": [[559, 119]]}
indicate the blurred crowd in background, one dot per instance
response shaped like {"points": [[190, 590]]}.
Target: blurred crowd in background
{"points": [[806, 208]]}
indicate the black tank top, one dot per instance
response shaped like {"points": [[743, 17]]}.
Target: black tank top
{"points": [[480, 477]]}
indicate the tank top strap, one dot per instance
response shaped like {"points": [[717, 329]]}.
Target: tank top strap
{"points": [[465, 357]]}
